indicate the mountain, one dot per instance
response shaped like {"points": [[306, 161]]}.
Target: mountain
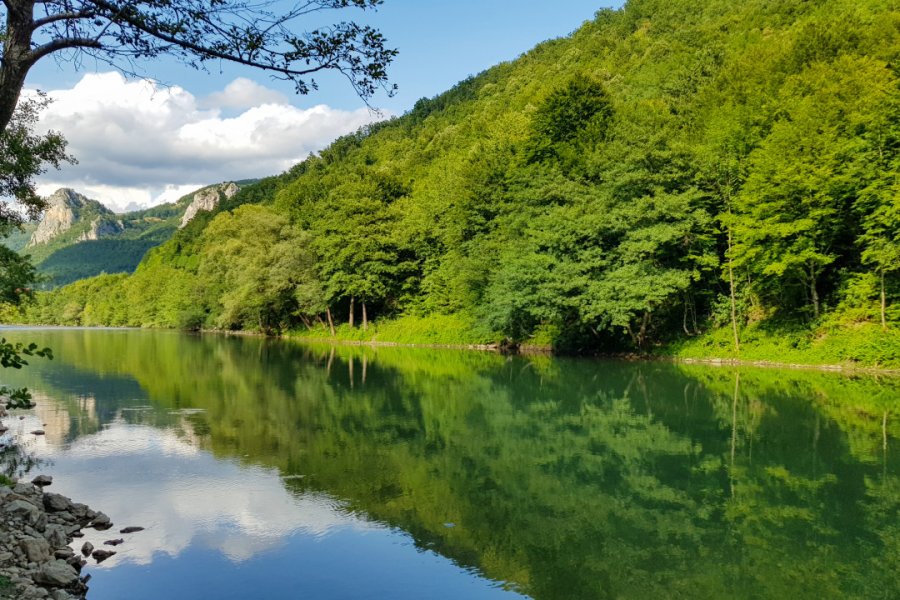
{"points": [[78, 237]]}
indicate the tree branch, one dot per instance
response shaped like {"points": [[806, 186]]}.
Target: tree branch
{"points": [[61, 44]]}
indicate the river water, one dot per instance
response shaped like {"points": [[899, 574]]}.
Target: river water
{"points": [[269, 469]]}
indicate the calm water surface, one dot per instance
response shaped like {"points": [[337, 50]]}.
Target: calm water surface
{"points": [[268, 469]]}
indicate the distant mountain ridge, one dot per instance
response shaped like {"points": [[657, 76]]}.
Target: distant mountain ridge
{"points": [[79, 237]]}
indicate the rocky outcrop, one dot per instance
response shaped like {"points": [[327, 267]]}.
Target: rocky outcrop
{"points": [[36, 529], [102, 227], [207, 199], [64, 209]]}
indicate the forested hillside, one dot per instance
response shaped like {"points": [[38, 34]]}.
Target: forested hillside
{"points": [[701, 174]]}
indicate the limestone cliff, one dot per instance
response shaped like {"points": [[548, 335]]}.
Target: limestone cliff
{"points": [[102, 227], [207, 199], [65, 208]]}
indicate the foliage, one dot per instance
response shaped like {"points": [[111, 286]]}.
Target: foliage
{"points": [[616, 188]]}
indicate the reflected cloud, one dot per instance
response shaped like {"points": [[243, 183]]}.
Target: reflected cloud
{"points": [[128, 472]]}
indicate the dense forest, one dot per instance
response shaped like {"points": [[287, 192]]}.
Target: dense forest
{"points": [[704, 175]]}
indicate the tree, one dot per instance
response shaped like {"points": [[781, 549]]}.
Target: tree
{"points": [[255, 34]]}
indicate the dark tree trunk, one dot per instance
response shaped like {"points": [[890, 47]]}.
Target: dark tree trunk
{"points": [[813, 293], [734, 325], [17, 56]]}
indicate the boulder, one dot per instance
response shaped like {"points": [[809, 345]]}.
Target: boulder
{"points": [[101, 555], [131, 530], [42, 480], [23, 510], [87, 548], [56, 502], [35, 549], [56, 573], [56, 535]]}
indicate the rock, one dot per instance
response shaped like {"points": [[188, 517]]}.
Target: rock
{"points": [[60, 595], [36, 549], [23, 510], [114, 542], [37, 432], [87, 548], [42, 480], [56, 573], [207, 199], [79, 511], [56, 502], [76, 534], [76, 562], [23, 489], [56, 536], [131, 530], [5, 557], [101, 555], [65, 208], [64, 553], [101, 522]]}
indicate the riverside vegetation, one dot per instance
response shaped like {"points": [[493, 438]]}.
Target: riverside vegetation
{"points": [[698, 179]]}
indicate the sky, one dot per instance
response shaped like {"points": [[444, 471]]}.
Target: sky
{"points": [[143, 142]]}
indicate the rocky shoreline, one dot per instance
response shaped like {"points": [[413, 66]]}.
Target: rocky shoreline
{"points": [[36, 530]]}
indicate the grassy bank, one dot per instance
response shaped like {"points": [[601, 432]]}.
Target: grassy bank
{"points": [[858, 345]]}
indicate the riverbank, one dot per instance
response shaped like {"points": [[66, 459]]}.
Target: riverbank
{"points": [[37, 527]]}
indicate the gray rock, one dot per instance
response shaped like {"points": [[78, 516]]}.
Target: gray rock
{"points": [[56, 573], [23, 489], [60, 595], [87, 548], [131, 530], [42, 480], [101, 522], [56, 535], [101, 555], [36, 549], [64, 553], [56, 502], [5, 557], [23, 510]]}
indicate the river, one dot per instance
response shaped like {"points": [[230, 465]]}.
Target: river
{"points": [[265, 468]]}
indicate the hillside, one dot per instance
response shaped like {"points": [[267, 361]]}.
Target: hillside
{"points": [[672, 173], [78, 237]]}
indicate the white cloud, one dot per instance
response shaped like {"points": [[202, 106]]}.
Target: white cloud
{"points": [[138, 142], [244, 93]]}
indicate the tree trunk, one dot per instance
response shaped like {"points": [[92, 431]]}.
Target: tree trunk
{"points": [[352, 310], [365, 317], [330, 321], [813, 293], [17, 57], [734, 326], [883, 304]]}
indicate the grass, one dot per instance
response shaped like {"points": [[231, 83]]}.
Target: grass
{"points": [[4, 480], [433, 330], [856, 345]]}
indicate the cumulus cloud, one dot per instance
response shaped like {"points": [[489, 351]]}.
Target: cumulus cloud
{"points": [[140, 143]]}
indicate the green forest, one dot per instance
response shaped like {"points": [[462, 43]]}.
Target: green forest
{"points": [[693, 178]]}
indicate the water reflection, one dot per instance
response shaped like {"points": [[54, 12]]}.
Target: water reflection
{"points": [[563, 479]]}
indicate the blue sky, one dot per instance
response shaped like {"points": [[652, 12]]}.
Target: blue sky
{"points": [[439, 43]]}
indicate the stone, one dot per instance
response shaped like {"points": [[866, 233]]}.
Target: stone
{"points": [[60, 595], [87, 548], [56, 502], [101, 555], [114, 542], [207, 199], [79, 510], [56, 573], [101, 522], [131, 530], [56, 536], [64, 553], [38, 432], [42, 480], [5, 557], [35, 549], [23, 510], [23, 489]]}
